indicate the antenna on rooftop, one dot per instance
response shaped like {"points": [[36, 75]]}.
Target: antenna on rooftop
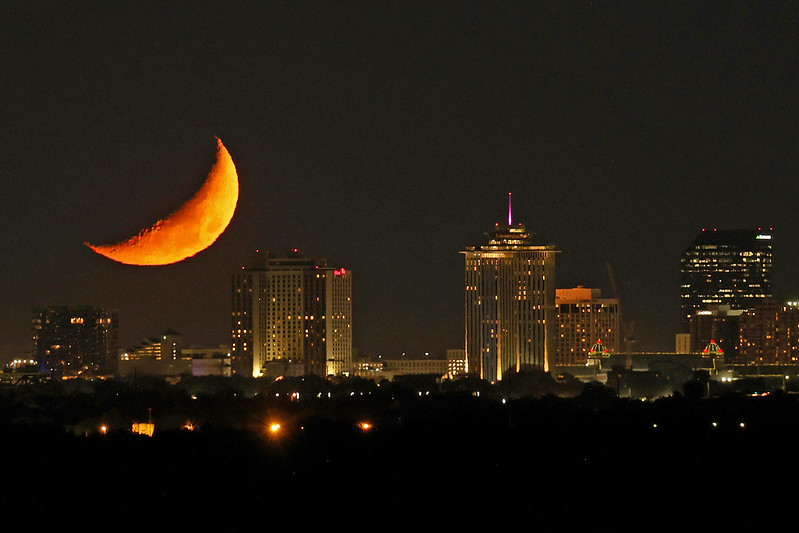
{"points": [[510, 215]]}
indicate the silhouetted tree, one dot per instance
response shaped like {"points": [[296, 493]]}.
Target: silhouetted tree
{"points": [[596, 395]]}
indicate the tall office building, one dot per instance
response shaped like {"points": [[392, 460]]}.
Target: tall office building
{"points": [[291, 315], [78, 340], [509, 303], [583, 319], [730, 268]]}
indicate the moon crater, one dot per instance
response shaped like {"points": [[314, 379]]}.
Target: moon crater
{"points": [[191, 229]]}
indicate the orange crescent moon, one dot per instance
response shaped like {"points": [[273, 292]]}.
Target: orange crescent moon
{"points": [[189, 230]]}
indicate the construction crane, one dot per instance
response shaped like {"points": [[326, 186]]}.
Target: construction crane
{"points": [[627, 329]]}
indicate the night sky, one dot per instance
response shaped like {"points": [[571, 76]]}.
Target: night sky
{"points": [[386, 137]]}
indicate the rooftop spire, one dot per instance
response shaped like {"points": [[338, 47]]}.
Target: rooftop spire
{"points": [[510, 215]]}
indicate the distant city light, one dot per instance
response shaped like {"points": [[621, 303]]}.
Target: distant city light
{"points": [[17, 363], [143, 428]]}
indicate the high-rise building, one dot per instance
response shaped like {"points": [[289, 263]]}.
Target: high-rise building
{"points": [[291, 315], [78, 340], [583, 319], [725, 268], [715, 324], [509, 303], [769, 334]]}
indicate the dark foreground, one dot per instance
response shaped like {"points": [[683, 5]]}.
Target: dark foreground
{"points": [[443, 460]]}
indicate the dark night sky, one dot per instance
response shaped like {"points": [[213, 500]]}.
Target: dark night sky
{"points": [[386, 136]]}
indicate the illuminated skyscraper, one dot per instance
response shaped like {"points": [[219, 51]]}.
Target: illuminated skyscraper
{"points": [[291, 315], [510, 303], [725, 268], [77, 340]]}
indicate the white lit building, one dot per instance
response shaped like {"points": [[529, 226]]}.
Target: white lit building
{"points": [[291, 316]]}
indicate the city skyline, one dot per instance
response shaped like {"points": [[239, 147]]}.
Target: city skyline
{"points": [[387, 138]]}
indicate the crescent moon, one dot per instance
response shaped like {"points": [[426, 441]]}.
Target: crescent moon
{"points": [[189, 230]]}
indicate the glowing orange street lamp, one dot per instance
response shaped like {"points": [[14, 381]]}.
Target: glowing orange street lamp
{"points": [[366, 426]]}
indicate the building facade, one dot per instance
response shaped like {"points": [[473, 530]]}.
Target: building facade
{"points": [[167, 346], [509, 303], [77, 340], [209, 361], [730, 268], [584, 318], [769, 334], [291, 316], [716, 324], [456, 362], [156, 356]]}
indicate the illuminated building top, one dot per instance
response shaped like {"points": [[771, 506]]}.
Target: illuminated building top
{"points": [[713, 349], [510, 302], [598, 348], [510, 237]]}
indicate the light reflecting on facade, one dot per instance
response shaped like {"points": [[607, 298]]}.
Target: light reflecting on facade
{"points": [[509, 303], [291, 316], [584, 318]]}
